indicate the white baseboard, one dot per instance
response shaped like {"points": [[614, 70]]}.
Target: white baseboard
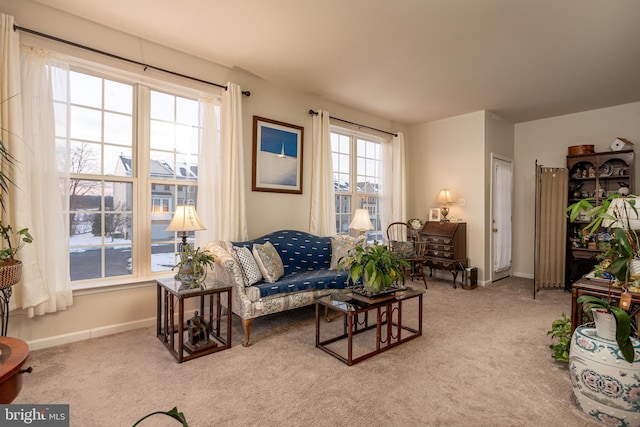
{"points": [[90, 333]]}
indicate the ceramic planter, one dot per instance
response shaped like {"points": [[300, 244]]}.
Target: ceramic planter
{"points": [[606, 386]]}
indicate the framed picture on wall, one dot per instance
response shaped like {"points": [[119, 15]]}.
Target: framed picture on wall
{"points": [[277, 156], [434, 214]]}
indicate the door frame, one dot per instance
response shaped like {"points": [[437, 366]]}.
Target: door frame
{"points": [[492, 275]]}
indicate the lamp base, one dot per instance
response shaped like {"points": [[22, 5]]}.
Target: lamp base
{"points": [[444, 211]]}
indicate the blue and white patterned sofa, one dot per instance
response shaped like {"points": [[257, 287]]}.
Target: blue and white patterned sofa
{"points": [[306, 259]]}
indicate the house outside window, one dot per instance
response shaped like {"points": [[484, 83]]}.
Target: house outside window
{"points": [[357, 177], [131, 150]]}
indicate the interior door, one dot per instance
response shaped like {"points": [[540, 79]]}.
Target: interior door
{"points": [[501, 217]]}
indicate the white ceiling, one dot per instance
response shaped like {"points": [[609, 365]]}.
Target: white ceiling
{"points": [[409, 61]]}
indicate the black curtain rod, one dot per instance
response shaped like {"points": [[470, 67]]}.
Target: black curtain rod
{"points": [[111, 55], [315, 113]]}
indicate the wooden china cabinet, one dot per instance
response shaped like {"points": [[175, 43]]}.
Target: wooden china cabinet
{"points": [[595, 176]]}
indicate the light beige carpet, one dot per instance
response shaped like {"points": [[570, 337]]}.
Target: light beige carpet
{"points": [[483, 361]]}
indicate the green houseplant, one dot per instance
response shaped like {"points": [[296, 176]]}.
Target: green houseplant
{"points": [[378, 267], [618, 214], [192, 265], [12, 241], [561, 330]]}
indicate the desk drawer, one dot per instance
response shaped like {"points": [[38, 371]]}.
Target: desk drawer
{"points": [[440, 264], [439, 247], [439, 254], [439, 240]]}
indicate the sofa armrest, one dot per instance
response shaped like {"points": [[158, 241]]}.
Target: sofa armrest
{"points": [[228, 271]]}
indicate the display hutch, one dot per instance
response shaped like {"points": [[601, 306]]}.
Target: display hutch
{"points": [[595, 176]]}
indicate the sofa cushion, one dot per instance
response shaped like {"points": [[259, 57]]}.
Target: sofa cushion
{"points": [[321, 278], [250, 270], [340, 246], [269, 261]]}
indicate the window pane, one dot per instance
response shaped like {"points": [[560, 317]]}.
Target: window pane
{"points": [[162, 135], [86, 124], [116, 261], [162, 106], [86, 90], [118, 129], [118, 97], [84, 158], [187, 111], [117, 161]]}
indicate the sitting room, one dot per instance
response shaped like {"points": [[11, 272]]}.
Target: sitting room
{"points": [[191, 189]]}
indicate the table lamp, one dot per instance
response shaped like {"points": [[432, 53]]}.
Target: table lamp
{"points": [[185, 218], [361, 221], [444, 197]]}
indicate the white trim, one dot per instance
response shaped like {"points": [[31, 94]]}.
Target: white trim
{"points": [[39, 344]]}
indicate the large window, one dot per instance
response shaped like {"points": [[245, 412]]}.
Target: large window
{"points": [[132, 154], [357, 179]]}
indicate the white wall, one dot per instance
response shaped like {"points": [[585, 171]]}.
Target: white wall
{"points": [[449, 153], [99, 313], [547, 141]]}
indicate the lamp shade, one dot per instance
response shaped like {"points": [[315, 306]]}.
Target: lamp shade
{"points": [[185, 218], [361, 220], [627, 216], [444, 196]]}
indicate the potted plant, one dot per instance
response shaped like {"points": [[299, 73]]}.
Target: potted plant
{"points": [[192, 265], [561, 330], [617, 213], [12, 241], [378, 267]]}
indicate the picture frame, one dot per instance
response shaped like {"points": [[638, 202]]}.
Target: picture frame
{"points": [[434, 214], [277, 156]]}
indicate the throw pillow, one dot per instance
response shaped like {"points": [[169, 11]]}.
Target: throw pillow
{"points": [[269, 261], [402, 249], [248, 265], [340, 246]]}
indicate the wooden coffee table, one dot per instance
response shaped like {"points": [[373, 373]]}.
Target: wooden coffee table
{"points": [[357, 311]]}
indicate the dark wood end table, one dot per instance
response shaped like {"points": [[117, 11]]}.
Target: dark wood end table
{"points": [[172, 334]]}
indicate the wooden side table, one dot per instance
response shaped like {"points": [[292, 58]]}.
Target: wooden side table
{"points": [[172, 334], [595, 288], [13, 355]]}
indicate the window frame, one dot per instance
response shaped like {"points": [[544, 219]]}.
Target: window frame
{"points": [[140, 269], [355, 196]]}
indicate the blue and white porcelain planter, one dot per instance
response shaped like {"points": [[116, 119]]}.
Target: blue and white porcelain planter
{"points": [[606, 386]]}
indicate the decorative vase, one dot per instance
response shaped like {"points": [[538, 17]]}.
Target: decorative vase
{"points": [[606, 386], [10, 273], [605, 324]]}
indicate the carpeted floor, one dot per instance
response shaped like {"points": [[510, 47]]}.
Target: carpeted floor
{"points": [[484, 360]]}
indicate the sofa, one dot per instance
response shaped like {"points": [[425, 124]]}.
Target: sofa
{"points": [[308, 272]]}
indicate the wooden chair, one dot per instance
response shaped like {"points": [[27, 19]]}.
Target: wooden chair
{"points": [[410, 247]]}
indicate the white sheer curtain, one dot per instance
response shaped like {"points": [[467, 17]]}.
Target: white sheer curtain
{"points": [[36, 203], [394, 185], [209, 175], [233, 219], [323, 204], [502, 203]]}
